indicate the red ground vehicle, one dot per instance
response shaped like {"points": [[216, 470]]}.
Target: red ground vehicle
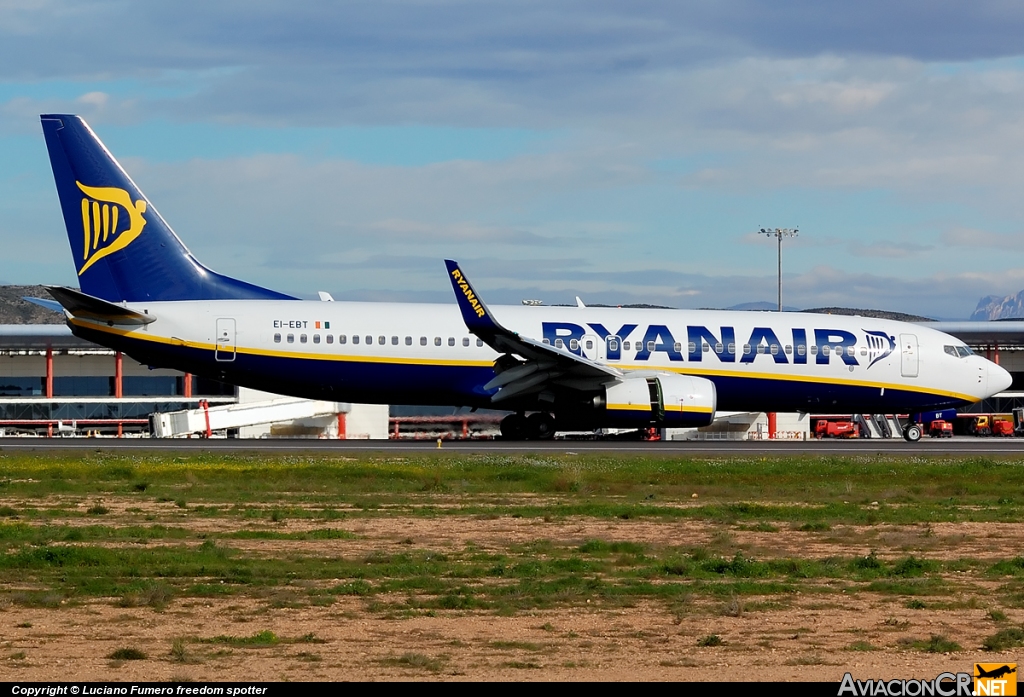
{"points": [[940, 429], [1002, 428], [836, 429]]}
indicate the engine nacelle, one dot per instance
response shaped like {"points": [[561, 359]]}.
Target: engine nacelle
{"points": [[663, 400]]}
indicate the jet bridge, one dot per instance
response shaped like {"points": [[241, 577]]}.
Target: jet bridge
{"points": [[206, 419]]}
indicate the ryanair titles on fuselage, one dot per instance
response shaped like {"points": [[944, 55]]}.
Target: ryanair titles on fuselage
{"points": [[761, 341]]}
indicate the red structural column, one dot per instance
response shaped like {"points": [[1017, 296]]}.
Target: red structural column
{"points": [[341, 426], [997, 354], [49, 385], [118, 392], [188, 384], [772, 425], [49, 372]]}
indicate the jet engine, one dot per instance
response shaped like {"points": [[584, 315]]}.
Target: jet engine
{"points": [[667, 400]]}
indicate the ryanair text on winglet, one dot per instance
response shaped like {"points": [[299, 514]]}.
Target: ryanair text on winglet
{"points": [[468, 292]]}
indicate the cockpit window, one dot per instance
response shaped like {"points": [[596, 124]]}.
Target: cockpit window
{"points": [[951, 350], [964, 351]]}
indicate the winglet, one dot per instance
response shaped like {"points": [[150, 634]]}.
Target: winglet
{"points": [[474, 313]]}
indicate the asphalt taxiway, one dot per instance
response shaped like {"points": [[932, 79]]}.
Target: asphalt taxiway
{"points": [[989, 447]]}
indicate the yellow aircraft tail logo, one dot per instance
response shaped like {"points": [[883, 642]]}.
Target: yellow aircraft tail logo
{"points": [[101, 214]]}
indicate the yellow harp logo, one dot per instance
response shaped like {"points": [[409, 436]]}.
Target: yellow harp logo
{"points": [[101, 211]]}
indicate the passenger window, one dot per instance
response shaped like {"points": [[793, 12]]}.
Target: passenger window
{"points": [[863, 351], [316, 338], [801, 349], [342, 339], [369, 340], [746, 349], [650, 346], [302, 338], [437, 341], [814, 349], [394, 341], [382, 340], [479, 342], [574, 344], [291, 338], [691, 347], [559, 343], [590, 344], [824, 350], [719, 348], [625, 346], [789, 349], [423, 341], [451, 341], [732, 348], [465, 341], [330, 338], [277, 338], [761, 348], [705, 347], [355, 338], [613, 345], [408, 341], [774, 349], [546, 341]]}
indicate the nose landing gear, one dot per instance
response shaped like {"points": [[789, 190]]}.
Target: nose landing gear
{"points": [[912, 433]]}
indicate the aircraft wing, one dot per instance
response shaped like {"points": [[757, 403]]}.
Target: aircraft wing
{"points": [[544, 365]]}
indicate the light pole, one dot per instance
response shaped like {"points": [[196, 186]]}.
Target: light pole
{"points": [[779, 233]]}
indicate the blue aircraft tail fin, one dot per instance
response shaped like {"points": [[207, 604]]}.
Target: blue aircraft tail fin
{"points": [[123, 248]]}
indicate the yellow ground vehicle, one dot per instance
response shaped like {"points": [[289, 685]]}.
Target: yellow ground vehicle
{"points": [[980, 426]]}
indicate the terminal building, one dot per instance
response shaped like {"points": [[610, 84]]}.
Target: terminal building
{"points": [[53, 383]]}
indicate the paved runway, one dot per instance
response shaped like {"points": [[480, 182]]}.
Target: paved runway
{"points": [[993, 447]]}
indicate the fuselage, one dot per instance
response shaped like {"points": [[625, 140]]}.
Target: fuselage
{"points": [[424, 354]]}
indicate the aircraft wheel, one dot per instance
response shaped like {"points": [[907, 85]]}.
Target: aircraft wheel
{"points": [[540, 426], [912, 433], [513, 427]]}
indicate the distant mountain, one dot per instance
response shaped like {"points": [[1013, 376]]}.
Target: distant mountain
{"points": [[877, 314], [762, 307], [14, 310], [994, 307]]}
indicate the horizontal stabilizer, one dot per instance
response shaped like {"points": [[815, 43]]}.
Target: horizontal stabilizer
{"points": [[85, 306], [43, 302]]}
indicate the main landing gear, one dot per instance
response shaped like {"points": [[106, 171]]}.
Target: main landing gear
{"points": [[537, 426]]}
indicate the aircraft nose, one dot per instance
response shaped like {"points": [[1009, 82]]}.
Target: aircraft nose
{"points": [[998, 379]]}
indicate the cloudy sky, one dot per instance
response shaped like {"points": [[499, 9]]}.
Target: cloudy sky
{"points": [[621, 151]]}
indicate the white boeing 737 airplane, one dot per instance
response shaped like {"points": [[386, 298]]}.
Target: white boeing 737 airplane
{"points": [[143, 293]]}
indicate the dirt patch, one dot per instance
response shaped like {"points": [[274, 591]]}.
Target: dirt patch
{"points": [[816, 634]]}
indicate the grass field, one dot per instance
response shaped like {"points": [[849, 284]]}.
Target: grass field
{"points": [[487, 560]]}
